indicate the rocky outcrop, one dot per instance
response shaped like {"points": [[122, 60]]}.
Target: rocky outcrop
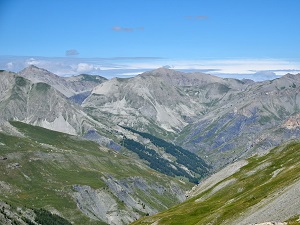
{"points": [[100, 205], [11, 215], [124, 201], [292, 122]]}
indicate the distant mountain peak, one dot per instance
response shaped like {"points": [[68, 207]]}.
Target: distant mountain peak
{"points": [[163, 71], [36, 72], [35, 68]]}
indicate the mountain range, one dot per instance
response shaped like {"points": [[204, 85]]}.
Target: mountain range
{"points": [[178, 127], [221, 120]]}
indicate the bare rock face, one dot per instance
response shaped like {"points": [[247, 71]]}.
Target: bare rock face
{"points": [[162, 99], [220, 119], [40, 104], [38, 75], [124, 201], [100, 205], [292, 122], [68, 86], [10, 215]]}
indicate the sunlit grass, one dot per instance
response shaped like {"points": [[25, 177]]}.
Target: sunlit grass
{"points": [[253, 183]]}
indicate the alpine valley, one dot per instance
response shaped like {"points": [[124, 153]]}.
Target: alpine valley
{"points": [[163, 147]]}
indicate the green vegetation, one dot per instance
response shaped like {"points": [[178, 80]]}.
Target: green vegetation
{"points": [[184, 157], [294, 220], [92, 78], [265, 119], [252, 184], [21, 81], [46, 218], [156, 161], [42, 87], [41, 168], [28, 221], [17, 91], [223, 89]]}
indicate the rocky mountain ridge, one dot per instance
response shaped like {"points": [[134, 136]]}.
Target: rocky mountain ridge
{"points": [[219, 119], [222, 120], [68, 86], [250, 121], [160, 100], [40, 104]]}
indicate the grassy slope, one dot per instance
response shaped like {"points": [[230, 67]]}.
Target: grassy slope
{"points": [[252, 185], [50, 163]]}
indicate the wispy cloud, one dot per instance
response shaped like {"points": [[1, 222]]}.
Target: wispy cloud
{"points": [[72, 52], [256, 69], [126, 29], [201, 17]]}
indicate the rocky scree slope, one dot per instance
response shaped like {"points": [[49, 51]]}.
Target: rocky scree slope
{"points": [[258, 118], [260, 189], [221, 120], [40, 104], [11, 215], [68, 86], [80, 180], [159, 101]]}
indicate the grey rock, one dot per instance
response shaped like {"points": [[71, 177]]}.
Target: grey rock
{"points": [[125, 200]]}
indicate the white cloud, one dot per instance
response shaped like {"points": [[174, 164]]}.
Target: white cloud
{"points": [[9, 65], [239, 66], [109, 67], [32, 61], [85, 68]]}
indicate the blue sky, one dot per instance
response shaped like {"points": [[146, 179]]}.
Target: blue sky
{"points": [[134, 36]]}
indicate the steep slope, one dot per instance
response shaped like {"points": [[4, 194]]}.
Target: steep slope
{"points": [[221, 120], [252, 120], [68, 86], [261, 189], [84, 82], [165, 157], [40, 104], [161, 101], [11, 214], [80, 180]]}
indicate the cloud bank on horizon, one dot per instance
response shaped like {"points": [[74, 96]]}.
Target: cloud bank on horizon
{"points": [[223, 38], [255, 69]]}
